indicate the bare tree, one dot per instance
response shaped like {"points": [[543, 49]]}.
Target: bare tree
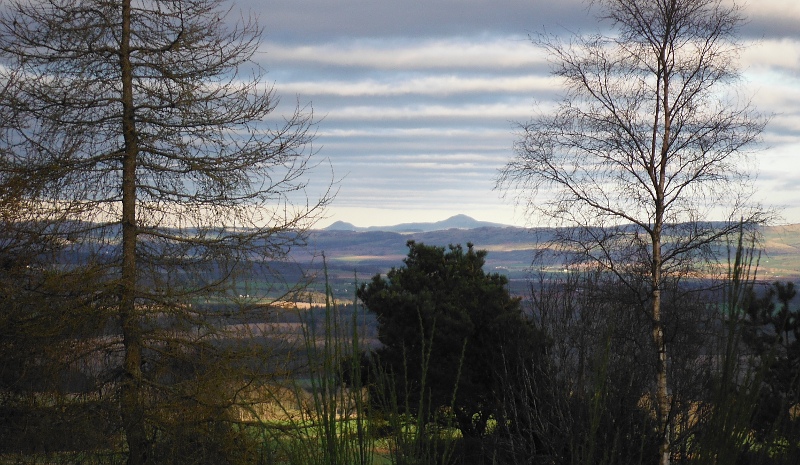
{"points": [[145, 130], [647, 147]]}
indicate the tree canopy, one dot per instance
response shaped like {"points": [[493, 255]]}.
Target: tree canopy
{"points": [[447, 328]]}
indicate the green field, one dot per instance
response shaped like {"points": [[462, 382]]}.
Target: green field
{"points": [[354, 257]]}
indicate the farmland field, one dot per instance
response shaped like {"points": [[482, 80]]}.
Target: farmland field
{"points": [[353, 257]]}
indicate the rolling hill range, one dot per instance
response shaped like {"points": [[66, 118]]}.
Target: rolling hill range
{"points": [[359, 253], [454, 222]]}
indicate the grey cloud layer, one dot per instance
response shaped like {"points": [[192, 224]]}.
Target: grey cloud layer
{"points": [[418, 99], [301, 20], [315, 20]]}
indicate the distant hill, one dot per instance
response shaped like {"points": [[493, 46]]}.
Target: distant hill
{"points": [[511, 250], [454, 222], [342, 226]]}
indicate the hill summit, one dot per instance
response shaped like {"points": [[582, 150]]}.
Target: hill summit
{"points": [[454, 222]]}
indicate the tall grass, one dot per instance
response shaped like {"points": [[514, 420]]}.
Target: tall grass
{"points": [[726, 433], [325, 420], [415, 434], [344, 408], [725, 422]]}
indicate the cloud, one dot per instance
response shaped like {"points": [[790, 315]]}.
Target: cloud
{"points": [[778, 55], [409, 133], [771, 19], [437, 85], [489, 111], [291, 20], [472, 53], [417, 98]]}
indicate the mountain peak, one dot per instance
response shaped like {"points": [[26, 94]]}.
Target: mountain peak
{"points": [[459, 221], [342, 226]]}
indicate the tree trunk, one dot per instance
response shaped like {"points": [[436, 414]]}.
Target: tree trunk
{"points": [[132, 409], [662, 394]]}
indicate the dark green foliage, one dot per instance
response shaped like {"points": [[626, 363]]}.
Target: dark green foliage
{"points": [[741, 420], [772, 332], [443, 302]]}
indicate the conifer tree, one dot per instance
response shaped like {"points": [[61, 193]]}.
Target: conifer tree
{"points": [[145, 133]]}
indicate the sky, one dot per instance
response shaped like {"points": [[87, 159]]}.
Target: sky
{"points": [[417, 101]]}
